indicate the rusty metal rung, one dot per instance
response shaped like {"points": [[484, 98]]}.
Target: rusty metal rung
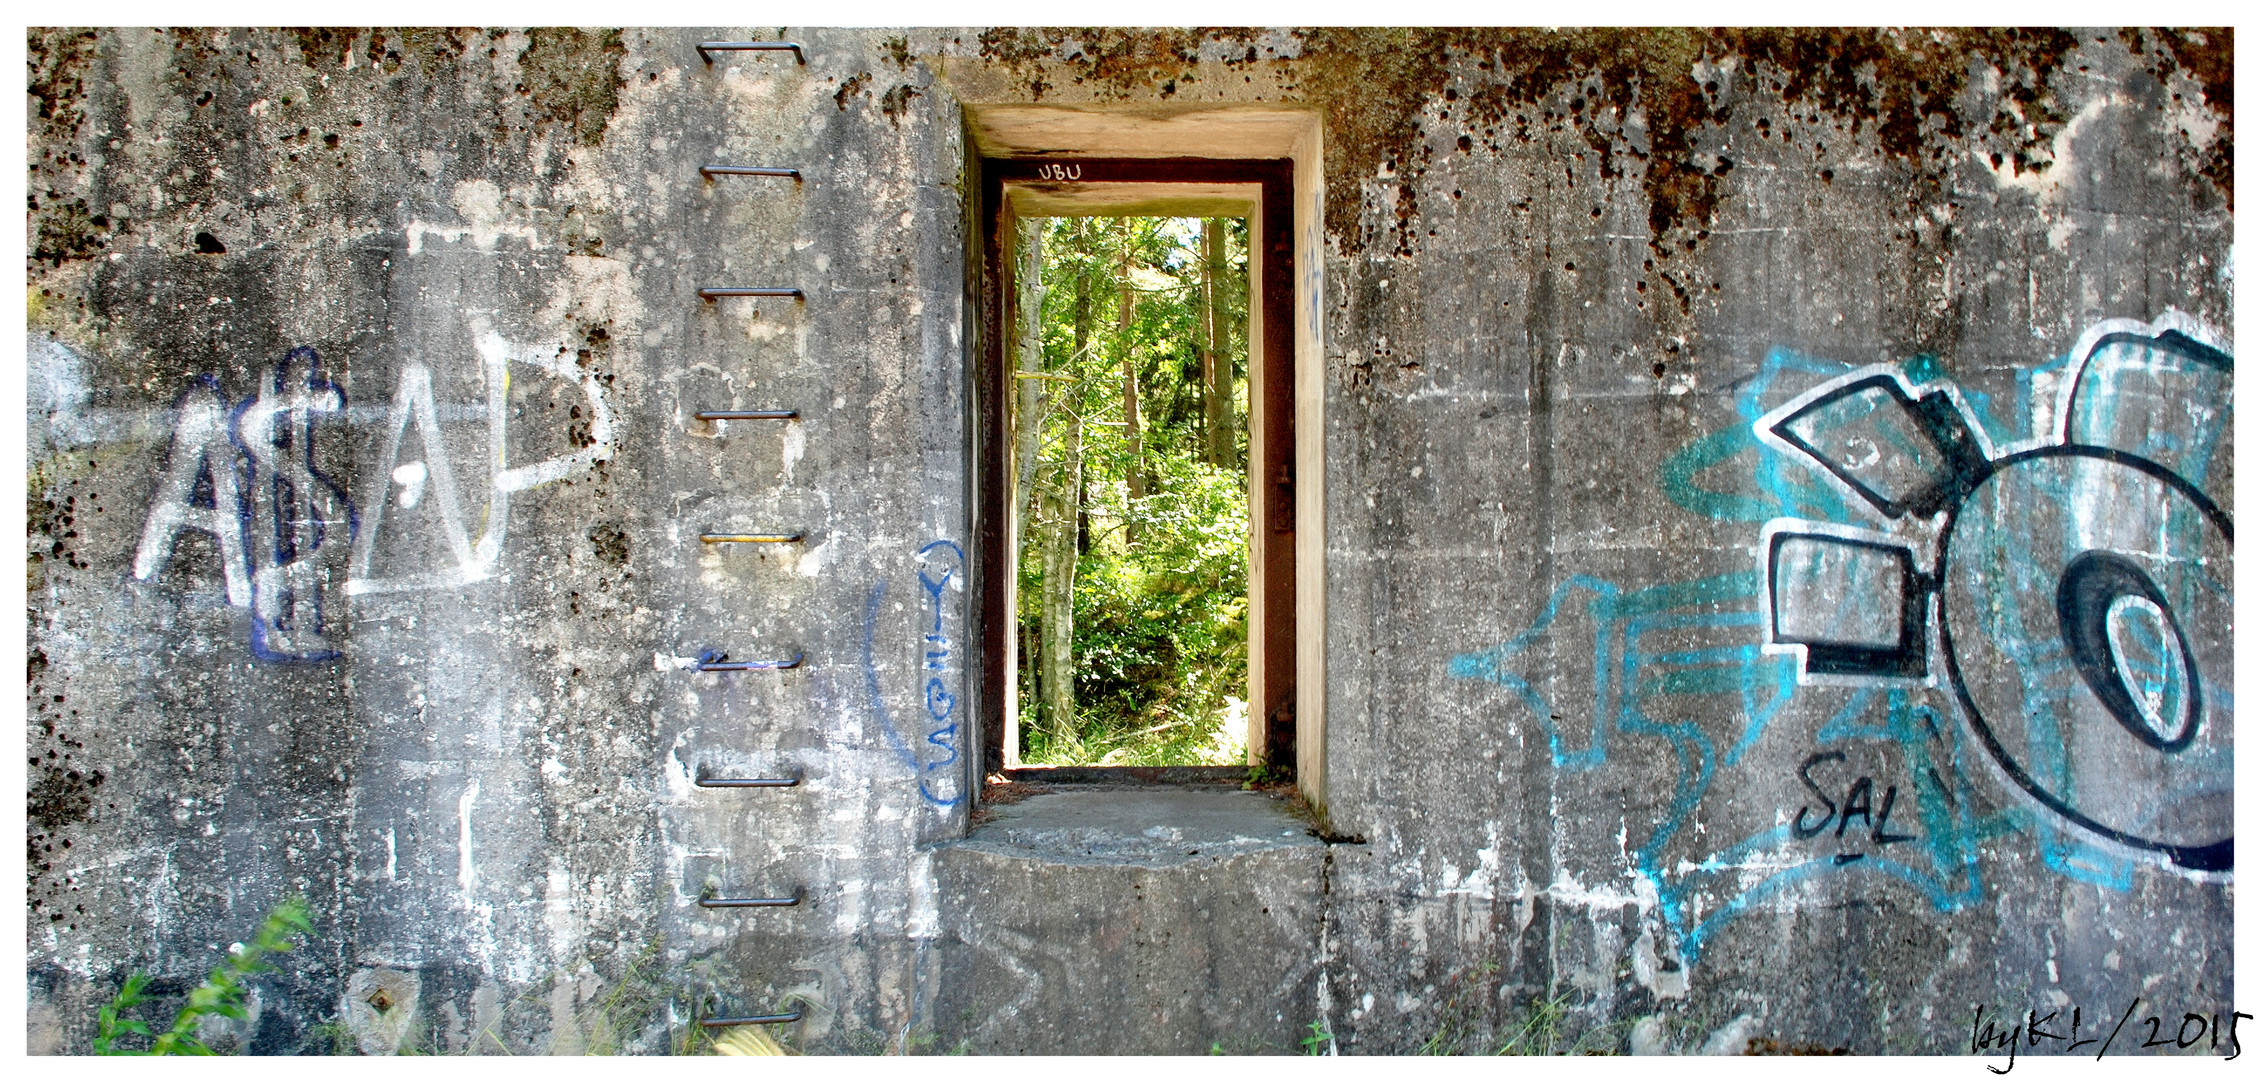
{"points": [[711, 171], [718, 664], [749, 538], [747, 414], [740, 1021], [748, 901], [717, 293], [747, 781], [707, 47]]}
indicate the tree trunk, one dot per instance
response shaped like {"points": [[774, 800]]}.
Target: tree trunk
{"points": [[1056, 651], [1215, 364], [1130, 431], [1029, 416], [1062, 496]]}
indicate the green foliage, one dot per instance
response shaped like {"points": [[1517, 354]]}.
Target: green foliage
{"points": [[1319, 1040], [1160, 590], [1264, 774], [220, 994], [1460, 1019], [607, 1024], [108, 1026], [329, 1037], [1541, 1028], [640, 996]]}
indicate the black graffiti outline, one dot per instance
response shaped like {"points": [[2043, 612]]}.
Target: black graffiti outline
{"points": [[1937, 410], [1909, 659], [2091, 583], [2216, 856], [1939, 419], [2171, 339]]}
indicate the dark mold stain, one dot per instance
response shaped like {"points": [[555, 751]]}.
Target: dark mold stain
{"points": [[852, 87], [573, 78], [62, 796], [567, 77], [896, 103], [67, 231], [1901, 88], [63, 227], [1116, 59], [611, 543], [2208, 55]]}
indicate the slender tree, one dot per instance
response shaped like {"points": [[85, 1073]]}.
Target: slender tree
{"points": [[1061, 494], [1215, 358], [1029, 416], [1126, 316]]}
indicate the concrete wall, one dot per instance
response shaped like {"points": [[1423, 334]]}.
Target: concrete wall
{"points": [[365, 561]]}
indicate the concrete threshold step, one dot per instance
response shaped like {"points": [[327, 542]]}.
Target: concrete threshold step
{"points": [[1139, 919]]}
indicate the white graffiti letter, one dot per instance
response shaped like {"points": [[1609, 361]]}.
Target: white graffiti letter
{"points": [[474, 559], [200, 447], [412, 401]]}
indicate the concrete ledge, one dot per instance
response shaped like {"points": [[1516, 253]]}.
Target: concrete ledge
{"points": [[1120, 775], [1140, 826]]}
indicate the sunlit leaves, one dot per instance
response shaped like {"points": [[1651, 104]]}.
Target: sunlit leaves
{"points": [[1160, 622]]}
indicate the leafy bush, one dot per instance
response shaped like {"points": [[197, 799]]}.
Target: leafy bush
{"points": [[1159, 599]]}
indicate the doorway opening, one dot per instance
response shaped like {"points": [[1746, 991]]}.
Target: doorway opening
{"points": [[1129, 492], [1136, 498]]}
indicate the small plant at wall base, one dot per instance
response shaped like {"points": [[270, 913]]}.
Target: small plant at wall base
{"points": [[1541, 1030], [1263, 774], [220, 994], [1460, 1019]]}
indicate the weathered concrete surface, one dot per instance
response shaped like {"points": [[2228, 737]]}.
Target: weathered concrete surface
{"points": [[474, 744], [434, 679], [1131, 921]]}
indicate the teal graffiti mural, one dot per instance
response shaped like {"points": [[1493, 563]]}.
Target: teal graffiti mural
{"points": [[2078, 585], [2038, 620]]}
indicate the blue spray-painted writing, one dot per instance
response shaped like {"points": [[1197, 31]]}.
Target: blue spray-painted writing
{"points": [[935, 759], [246, 476], [938, 779]]}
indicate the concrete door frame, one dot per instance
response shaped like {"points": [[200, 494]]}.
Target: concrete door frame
{"points": [[1208, 157]]}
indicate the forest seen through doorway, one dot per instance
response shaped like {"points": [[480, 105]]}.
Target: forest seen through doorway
{"points": [[1129, 425]]}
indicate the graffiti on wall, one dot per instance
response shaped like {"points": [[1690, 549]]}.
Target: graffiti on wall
{"points": [[471, 557], [2044, 616], [934, 756], [245, 476], [2060, 578]]}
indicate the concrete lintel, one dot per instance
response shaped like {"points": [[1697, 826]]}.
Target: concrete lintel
{"points": [[1204, 131], [1099, 199]]}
